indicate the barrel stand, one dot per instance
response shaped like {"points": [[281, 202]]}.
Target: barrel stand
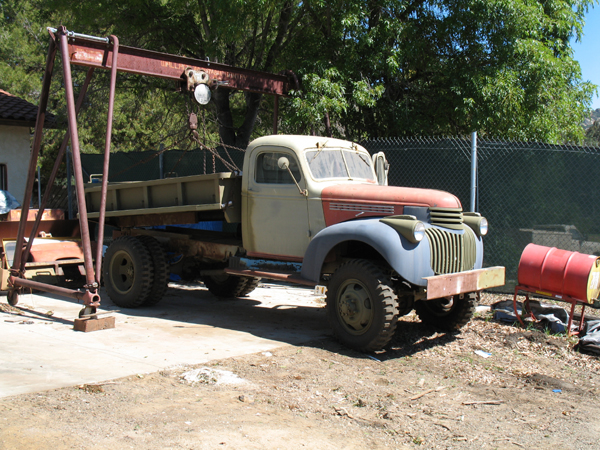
{"points": [[552, 296]]}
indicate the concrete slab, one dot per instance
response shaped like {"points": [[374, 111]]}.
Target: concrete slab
{"points": [[189, 326]]}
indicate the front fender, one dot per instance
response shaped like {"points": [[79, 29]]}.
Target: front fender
{"points": [[411, 261]]}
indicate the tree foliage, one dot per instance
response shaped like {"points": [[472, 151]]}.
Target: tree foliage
{"points": [[367, 68]]}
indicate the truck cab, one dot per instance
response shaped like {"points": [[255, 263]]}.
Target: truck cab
{"points": [[284, 178]]}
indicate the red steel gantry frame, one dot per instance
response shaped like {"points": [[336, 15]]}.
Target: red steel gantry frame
{"points": [[105, 53]]}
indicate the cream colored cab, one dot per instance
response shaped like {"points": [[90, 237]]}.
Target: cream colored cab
{"points": [[283, 179]]}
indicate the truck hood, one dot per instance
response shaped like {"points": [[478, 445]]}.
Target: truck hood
{"points": [[346, 202]]}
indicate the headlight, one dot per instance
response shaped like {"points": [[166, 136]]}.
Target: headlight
{"points": [[408, 226], [419, 232], [483, 226], [476, 222]]}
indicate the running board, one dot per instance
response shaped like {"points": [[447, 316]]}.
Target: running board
{"points": [[288, 277]]}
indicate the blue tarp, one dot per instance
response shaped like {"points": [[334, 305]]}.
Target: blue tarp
{"points": [[8, 202]]}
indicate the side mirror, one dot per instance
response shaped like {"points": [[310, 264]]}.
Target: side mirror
{"points": [[283, 163]]}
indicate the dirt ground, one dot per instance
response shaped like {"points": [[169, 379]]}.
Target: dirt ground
{"points": [[427, 390]]}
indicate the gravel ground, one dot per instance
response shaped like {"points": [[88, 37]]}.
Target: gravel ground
{"points": [[426, 390]]}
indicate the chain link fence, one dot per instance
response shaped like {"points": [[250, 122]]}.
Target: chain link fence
{"points": [[529, 192], [141, 166]]}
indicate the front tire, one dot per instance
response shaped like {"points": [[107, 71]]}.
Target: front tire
{"points": [[449, 314], [128, 272], [362, 307]]}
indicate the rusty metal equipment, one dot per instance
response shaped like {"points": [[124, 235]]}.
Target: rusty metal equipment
{"points": [[106, 53], [570, 277]]}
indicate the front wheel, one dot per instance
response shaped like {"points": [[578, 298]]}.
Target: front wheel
{"points": [[449, 313], [362, 307]]}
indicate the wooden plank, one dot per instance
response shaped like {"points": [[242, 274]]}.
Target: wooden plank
{"points": [[462, 282]]}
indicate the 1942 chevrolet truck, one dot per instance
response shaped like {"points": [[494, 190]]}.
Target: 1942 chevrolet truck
{"points": [[306, 210]]}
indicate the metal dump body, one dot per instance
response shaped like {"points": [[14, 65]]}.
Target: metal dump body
{"points": [[218, 192]]}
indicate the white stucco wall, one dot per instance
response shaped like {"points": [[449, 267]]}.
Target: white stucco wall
{"points": [[15, 143]]}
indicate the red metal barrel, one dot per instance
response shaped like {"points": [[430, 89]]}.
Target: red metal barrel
{"points": [[561, 272]]}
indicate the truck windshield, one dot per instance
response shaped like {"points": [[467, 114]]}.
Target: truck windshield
{"points": [[340, 163]]}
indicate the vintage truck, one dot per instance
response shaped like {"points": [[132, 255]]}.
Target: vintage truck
{"points": [[306, 210]]}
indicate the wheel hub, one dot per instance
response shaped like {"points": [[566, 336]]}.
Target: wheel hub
{"points": [[123, 272], [354, 307]]}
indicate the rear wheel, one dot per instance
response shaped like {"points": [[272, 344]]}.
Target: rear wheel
{"points": [[362, 307], [449, 313], [251, 284], [128, 272], [228, 286], [160, 283]]}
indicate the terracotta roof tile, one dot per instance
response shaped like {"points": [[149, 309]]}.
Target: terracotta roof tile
{"points": [[19, 112]]}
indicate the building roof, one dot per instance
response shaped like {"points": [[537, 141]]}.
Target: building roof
{"points": [[18, 112]]}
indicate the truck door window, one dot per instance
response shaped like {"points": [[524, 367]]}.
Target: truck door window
{"points": [[268, 171]]}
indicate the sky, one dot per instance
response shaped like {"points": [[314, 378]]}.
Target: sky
{"points": [[586, 51]]}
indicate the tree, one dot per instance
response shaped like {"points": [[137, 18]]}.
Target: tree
{"points": [[367, 68], [503, 68], [592, 134]]}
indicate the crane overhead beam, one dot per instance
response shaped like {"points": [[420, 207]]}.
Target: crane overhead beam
{"points": [[90, 51]]}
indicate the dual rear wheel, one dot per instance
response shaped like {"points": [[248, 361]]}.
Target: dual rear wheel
{"points": [[135, 271]]}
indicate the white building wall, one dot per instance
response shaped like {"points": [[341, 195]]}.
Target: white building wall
{"points": [[15, 143]]}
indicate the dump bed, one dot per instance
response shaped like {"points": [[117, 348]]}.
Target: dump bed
{"points": [[168, 201]]}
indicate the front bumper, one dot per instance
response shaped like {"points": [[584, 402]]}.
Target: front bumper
{"points": [[462, 282]]}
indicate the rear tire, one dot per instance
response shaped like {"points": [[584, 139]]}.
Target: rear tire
{"points": [[362, 307], [251, 284], [230, 286], [128, 272], [160, 283], [448, 314]]}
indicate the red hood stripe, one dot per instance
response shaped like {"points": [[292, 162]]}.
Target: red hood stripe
{"points": [[364, 194]]}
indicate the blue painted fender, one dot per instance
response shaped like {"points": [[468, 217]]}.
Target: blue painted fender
{"points": [[410, 261]]}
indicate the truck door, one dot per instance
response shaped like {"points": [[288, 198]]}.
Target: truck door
{"points": [[276, 219]]}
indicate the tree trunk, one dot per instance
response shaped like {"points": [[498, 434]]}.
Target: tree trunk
{"points": [[224, 117], [231, 136]]}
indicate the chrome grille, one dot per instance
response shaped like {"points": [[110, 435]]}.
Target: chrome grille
{"points": [[446, 217], [469, 250], [451, 252]]}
